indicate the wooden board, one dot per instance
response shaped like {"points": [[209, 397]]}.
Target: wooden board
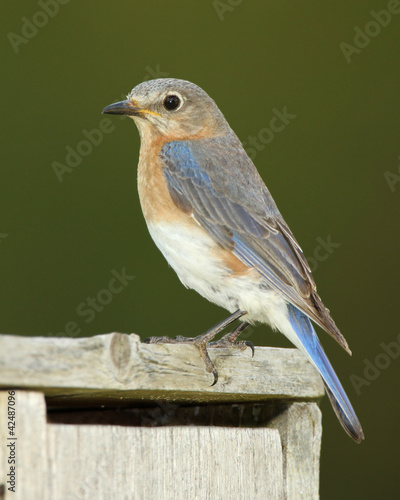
{"points": [[108, 417], [111, 462], [118, 369]]}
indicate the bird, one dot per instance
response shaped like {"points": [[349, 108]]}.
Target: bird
{"points": [[212, 217]]}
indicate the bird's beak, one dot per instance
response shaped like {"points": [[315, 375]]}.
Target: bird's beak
{"points": [[122, 108]]}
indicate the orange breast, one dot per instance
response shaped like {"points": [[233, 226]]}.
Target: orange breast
{"points": [[157, 204]]}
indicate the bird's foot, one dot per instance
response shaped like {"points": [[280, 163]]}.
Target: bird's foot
{"points": [[229, 340], [201, 341]]}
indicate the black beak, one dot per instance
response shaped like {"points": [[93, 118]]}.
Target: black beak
{"points": [[121, 108]]}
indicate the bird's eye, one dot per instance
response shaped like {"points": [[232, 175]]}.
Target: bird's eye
{"points": [[171, 102]]}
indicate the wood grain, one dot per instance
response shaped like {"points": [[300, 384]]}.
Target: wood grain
{"points": [[118, 368]]}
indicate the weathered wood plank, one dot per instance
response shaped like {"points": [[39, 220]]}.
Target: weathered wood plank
{"points": [[31, 451], [118, 368], [300, 429], [107, 462], [166, 463]]}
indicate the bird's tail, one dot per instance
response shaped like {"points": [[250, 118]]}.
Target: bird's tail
{"points": [[307, 341]]}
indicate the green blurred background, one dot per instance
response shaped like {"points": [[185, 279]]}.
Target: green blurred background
{"points": [[332, 172]]}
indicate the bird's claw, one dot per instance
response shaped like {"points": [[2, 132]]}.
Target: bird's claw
{"points": [[199, 342], [202, 341], [251, 345]]}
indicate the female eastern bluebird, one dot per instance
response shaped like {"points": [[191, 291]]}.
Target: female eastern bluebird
{"points": [[211, 215]]}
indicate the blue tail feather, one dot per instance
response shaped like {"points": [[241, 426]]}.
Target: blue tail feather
{"points": [[310, 344]]}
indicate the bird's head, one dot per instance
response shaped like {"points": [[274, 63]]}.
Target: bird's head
{"points": [[174, 108]]}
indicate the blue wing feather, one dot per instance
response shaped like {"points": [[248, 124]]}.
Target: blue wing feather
{"points": [[309, 341], [219, 184]]}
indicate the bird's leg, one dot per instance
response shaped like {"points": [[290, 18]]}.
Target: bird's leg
{"points": [[202, 340], [229, 340]]}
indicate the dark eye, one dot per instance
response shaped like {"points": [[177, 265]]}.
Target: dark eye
{"points": [[171, 102]]}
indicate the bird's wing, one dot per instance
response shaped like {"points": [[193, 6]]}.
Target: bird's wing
{"points": [[225, 194]]}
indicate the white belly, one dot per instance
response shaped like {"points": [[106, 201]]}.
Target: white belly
{"points": [[194, 257]]}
